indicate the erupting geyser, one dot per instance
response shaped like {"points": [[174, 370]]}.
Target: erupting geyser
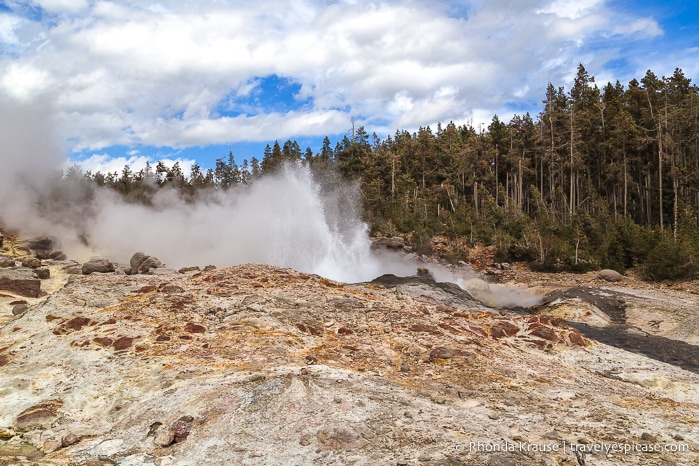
{"points": [[286, 220]]}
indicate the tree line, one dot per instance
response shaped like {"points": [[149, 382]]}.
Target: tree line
{"points": [[599, 178]]}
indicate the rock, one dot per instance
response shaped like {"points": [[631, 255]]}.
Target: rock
{"points": [[40, 242], [6, 434], [19, 283], [209, 268], [150, 263], [170, 288], [43, 254], [6, 261], [74, 269], [189, 269], [609, 275], [31, 262], [176, 433], [181, 428], [97, 265], [142, 263], [39, 415], [405, 367], [42, 273], [19, 309], [137, 259], [58, 256], [164, 438]]}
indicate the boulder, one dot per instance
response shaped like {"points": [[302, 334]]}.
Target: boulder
{"points": [[137, 259], [6, 261], [19, 309], [609, 275], [31, 262], [20, 283], [42, 273], [97, 265], [142, 263], [40, 243], [58, 256]]}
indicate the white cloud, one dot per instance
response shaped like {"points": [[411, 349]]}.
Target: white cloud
{"points": [[644, 26], [572, 9], [62, 5], [8, 25], [24, 81], [162, 72]]}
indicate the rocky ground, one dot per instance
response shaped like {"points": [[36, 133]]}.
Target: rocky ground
{"points": [[262, 365]]}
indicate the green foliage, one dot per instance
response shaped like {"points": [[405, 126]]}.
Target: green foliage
{"points": [[670, 260]]}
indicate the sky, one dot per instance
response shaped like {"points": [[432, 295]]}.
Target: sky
{"points": [[178, 80]]}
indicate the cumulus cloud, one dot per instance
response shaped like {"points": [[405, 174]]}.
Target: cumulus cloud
{"points": [[168, 72]]}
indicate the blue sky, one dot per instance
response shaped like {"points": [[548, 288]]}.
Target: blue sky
{"points": [[143, 80]]}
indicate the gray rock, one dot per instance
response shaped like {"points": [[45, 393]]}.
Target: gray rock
{"points": [[42, 273], [6, 261], [150, 263], [189, 269], [609, 275], [40, 242], [142, 263], [19, 309], [97, 265], [43, 254], [58, 256], [137, 259]]}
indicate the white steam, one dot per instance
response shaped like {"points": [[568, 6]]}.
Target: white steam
{"points": [[289, 219], [284, 220]]}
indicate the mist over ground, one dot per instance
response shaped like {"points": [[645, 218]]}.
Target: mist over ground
{"points": [[287, 219]]}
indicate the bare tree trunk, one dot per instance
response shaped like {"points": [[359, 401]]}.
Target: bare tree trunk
{"points": [[660, 175], [393, 175], [626, 186], [675, 208], [572, 177], [496, 176]]}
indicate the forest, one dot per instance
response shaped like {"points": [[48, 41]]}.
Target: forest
{"points": [[601, 178]]}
